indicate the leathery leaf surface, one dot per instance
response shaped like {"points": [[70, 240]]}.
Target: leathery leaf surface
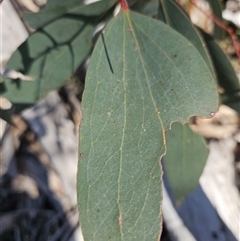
{"points": [[142, 77]]}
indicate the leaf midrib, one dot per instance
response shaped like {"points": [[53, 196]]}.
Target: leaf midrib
{"points": [[146, 76]]}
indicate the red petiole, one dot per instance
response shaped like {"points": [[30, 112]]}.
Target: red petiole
{"points": [[124, 5]]}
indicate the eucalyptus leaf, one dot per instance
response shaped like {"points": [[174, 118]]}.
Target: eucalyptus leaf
{"points": [[146, 7], [5, 115], [175, 17], [216, 6], [49, 56], [185, 159], [226, 75], [143, 76], [55, 9]]}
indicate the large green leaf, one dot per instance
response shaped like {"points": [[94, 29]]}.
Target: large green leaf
{"points": [[55, 9], [49, 56], [226, 75], [143, 75], [178, 19], [185, 159]]}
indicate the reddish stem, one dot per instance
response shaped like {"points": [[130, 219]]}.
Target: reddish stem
{"points": [[124, 5], [222, 25]]}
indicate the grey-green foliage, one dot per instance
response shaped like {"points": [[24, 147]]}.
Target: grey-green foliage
{"points": [[142, 77], [216, 60], [139, 81], [186, 157], [50, 55]]}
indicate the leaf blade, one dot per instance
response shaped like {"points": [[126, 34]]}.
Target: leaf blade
{"points": [[49, 56], [5, 115], [226, 76], [178, 19], [56, 9], [185, 160], [216, 6], [122, 136]]}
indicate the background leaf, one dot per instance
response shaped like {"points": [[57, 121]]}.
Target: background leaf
{"points": [[146, 7], [185, 159], [226, 75], [175, 17], [50, 56], [140, 79], [5, 115], [216, 6], [55, 9]]}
